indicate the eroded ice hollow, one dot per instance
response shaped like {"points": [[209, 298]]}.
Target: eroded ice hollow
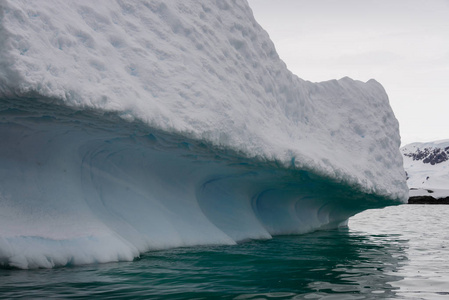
{"points": [[127, 126]]}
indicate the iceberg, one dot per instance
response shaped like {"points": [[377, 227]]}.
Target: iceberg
{"points": [[127, 126]]}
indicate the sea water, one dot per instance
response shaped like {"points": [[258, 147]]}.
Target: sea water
{"points": [[396, 252]]}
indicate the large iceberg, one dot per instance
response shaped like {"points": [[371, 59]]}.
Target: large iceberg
{"points": [[127, 126]]}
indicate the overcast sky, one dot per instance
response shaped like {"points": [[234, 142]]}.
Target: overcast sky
{"points": [[403, 44]]}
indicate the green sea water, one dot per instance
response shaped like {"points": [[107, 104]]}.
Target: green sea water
{"points": [[398, 252]]}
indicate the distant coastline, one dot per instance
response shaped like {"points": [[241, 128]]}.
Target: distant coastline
{"points": [[426, 166], [427, 200]]}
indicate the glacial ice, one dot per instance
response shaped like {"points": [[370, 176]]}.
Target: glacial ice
{"points": [[127, 126]]}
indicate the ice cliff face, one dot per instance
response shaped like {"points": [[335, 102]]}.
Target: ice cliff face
{"points": [[144, 124]]}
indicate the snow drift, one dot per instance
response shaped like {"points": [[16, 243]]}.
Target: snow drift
{"points": [[134, 125]]}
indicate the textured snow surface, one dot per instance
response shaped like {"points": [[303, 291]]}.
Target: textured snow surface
{"points": [[427, 167], [133, 125]]}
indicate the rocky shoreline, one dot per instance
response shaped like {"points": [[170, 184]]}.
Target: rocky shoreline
{"points": [[427, 200]]}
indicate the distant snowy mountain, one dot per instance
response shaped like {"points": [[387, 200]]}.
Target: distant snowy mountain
{"points": [[427, 167]]}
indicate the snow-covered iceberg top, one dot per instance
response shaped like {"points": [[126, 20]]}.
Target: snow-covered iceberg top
{"points": [[204, 69]]}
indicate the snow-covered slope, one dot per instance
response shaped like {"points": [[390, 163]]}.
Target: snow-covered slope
{"points": [[132, 125], [427, 167]]}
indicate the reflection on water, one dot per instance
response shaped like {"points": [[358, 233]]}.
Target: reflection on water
{"points": [[398, 252], [328, 263], [425, 273]]}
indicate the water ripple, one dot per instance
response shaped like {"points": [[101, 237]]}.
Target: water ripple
{"points": [[398, 252]]}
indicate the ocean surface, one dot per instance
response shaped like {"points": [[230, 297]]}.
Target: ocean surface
{"points": [[395, 253]]}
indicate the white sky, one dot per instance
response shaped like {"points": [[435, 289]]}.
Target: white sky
{"points": [[403, 44]]}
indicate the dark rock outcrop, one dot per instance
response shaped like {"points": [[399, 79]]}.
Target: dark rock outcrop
{"points": [[430, 155], [427, 200]]}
